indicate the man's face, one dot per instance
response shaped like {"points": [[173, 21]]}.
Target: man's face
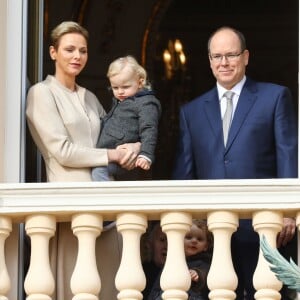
{"points": [[227, 61]]}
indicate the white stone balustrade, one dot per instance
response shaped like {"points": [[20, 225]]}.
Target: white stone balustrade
{"points": [[267, 223], [130, 278], [175, 278], [86, 227], [39, 282], [174, 203], [221, 279], [5, 229]]}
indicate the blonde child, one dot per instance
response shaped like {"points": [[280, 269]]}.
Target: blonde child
{"points": [[134, 117], [198, 243]]}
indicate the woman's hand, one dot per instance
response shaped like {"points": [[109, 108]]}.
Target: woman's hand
{"points": [[125, 155], [132, 148], [130, 156]]}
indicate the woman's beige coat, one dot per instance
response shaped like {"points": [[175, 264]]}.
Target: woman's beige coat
{"points": [[65, 126]]}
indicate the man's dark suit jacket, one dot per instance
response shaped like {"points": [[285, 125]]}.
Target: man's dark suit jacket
{"points": [[262, 141]]}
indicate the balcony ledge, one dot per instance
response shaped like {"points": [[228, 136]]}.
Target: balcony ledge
{"points": [[151, 197]]}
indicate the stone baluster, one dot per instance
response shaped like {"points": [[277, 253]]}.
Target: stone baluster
{"points": [[175, 278], [5, 229], [130, 278], [222, 280], [39, 281], [267, 223], [85, 280]]}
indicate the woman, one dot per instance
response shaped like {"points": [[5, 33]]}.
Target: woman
{"points": [[64, 120]]}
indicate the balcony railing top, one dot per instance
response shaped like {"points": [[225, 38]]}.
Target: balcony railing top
{"points": [[152, 197]]}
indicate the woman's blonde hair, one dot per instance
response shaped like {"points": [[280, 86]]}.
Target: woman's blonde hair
{"points": [[120, 63], [64, 28]]}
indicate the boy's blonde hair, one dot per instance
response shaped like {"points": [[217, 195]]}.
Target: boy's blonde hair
{"points": [[120, 63]]}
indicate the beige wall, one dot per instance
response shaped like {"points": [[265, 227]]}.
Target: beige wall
{"points": [[3, 8]]}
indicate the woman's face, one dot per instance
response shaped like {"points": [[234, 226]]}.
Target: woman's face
{"points": [[71, 55]]}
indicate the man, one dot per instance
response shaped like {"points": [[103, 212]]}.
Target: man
{"points": [[262, 139]]}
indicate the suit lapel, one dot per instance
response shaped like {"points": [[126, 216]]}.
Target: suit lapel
{"points": [[212, 110], [246, 101]]}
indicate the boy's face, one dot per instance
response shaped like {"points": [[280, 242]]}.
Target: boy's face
{"points": [[195, 241], [159, 247], [125, 84]]}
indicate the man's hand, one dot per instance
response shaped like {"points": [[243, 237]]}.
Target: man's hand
{"points": [[287, 232]]}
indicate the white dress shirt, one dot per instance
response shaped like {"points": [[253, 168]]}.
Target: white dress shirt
{"points": [[237, 91]]}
